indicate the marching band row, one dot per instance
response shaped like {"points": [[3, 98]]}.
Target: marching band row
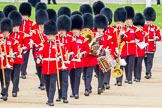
{"points": [[69, 44]]}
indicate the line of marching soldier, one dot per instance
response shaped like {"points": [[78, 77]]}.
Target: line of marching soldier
{"points": [[71, 43]]}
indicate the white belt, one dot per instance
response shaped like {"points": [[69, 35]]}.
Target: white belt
{"points": [[151, 40], [132, 41], [49, 59]]}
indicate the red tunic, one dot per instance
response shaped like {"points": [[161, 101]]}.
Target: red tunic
{"points": [[48, 54], [6, 48], [152, 31], [79, 45], [66, 47], [140, 37], [118, 32]]}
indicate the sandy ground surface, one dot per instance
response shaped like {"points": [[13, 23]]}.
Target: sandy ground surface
{"points": [[146, 94]]}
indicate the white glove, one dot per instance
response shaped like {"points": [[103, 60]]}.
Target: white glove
{"points": [[137, 41], [156, 38], [38, 60]]}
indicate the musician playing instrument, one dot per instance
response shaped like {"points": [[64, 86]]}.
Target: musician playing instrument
{"points": [[7, 45], [100, 24], [64, 43], [90, 61], [112, 43], [20, 48], [39, 38], [130, 46], [120, 33], [139, 22], [153, 36], [26, 27], [81, 49], [48, 55]]}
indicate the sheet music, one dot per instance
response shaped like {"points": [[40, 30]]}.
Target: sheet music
{"points": [[142, 45]]}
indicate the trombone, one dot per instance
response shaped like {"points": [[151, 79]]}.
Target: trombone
{"points": [[2, 67], [62, 59], [57, 67]]}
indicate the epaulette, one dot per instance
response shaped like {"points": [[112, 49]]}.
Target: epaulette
{"points": [[34, 22]]}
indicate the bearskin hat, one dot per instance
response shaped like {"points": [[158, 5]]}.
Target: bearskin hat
{"points": [[40, 5], [120, 14], [1, 15], [150, 14], [76, 12], [7, 9], [25, 8], [97, 6], [52, 14], [138, 19], [77, 22], [85, 8], [130, 12], [50, 28], [6, 25], [63, 23], [16, 18], [41, 16], [64, 11], [100, 21], [108, 13], [88, 20]]}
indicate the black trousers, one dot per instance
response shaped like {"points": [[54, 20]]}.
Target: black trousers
{"points": [[54, 1], [149, 62], [129, 67], [50, 84], [120, 79], [88, 73], [64, 76], [40, 76], [107, 77], [15, 76], [75, 75], [24, 65], [4, 90], [138, 67]]}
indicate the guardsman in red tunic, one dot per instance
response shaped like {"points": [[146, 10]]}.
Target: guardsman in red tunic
{"points": [[6, 56], [112, 43], [20, 48], [130, 46], [39, 38], [120, 33], [90, 61], [26, 27], [48, 56], [100, 24], [64, 42], [139, 22], [81, 49], [153, 36]]}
